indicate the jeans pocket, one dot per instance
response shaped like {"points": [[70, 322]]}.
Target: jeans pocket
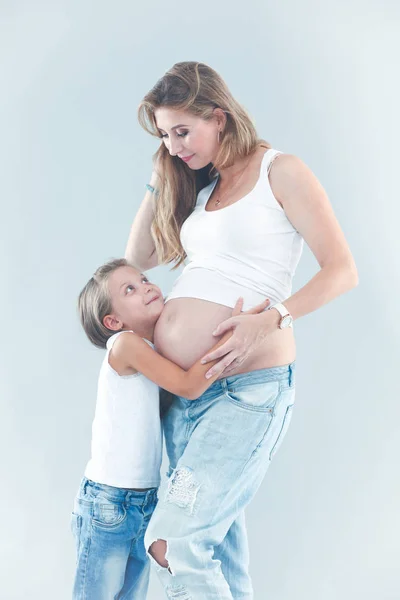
{"points": [[76, 526], [285, 424], [108, 514], [259, 397]]}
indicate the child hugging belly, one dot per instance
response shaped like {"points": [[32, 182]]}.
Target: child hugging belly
{"points": [[119, 309]]}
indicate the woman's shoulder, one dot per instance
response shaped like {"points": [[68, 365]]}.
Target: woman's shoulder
{"points": [[290, 178], [286, 167]]}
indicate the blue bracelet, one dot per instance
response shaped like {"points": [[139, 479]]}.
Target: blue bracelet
{"points": [[151, 189]]}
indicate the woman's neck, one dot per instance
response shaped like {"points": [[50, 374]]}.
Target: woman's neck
{"points": [[232, 173]]}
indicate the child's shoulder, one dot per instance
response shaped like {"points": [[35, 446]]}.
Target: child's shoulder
{"points": [[119, 338], [120, 347]]}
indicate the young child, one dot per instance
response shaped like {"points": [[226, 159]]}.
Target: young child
{"points": [[119, 309]]}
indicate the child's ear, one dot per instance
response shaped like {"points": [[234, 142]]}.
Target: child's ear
{"points": [[111, 322]]}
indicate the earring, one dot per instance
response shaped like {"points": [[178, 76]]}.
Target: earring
{"points": [[219, 133]]}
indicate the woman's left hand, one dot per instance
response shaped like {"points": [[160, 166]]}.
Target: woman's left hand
{"points": [[249, 331]]}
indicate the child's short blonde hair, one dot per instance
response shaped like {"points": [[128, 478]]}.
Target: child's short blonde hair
{"points": [[94, 303]]}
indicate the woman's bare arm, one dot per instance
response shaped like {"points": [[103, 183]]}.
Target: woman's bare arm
{"points": [[140, 249], [306, 205]]}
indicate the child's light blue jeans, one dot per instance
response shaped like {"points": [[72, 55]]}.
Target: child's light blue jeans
{"points": [[220, 447], [108, 524]]}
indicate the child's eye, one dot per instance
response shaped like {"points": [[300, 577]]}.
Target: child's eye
{"points": [[129, 287]]}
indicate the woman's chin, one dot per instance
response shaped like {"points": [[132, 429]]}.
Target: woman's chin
{"points": [[197, 163]]}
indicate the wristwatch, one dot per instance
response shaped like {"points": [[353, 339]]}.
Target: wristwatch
{"points": [[287, 319]]}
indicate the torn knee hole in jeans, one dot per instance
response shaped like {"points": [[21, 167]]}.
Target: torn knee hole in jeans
{"points": [[182, 488], [174, 592], [154, 553]]}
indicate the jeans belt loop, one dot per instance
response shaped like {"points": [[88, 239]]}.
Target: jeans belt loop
{"points": [[84, 487]]}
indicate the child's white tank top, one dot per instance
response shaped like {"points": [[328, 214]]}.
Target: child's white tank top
{"points": [[126, 431]]}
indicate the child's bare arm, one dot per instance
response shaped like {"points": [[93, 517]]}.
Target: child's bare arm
{"points": [[132, 351]]}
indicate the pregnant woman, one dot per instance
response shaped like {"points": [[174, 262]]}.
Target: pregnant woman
{"points": [[238, 212]]}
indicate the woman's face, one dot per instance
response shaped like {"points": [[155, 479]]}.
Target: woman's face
{"points": [[192, 139]]}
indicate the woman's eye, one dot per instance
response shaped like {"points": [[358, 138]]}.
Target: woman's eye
{"points": [[183, 134]]}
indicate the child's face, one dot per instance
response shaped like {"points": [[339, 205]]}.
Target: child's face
{"points": [[136, 302]]}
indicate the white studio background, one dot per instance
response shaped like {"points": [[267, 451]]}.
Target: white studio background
{"points": [[321, 81]]}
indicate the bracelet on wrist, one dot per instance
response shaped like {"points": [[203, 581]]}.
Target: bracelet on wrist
{"points": [[151, 189]]}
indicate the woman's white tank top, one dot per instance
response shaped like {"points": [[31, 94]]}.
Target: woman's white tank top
{"points": [[247, 249]]}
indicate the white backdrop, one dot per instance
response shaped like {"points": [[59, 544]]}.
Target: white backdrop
{"points": [[321, 81]]}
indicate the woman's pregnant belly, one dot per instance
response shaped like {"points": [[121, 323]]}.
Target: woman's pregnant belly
{"points": [[183, 334]]}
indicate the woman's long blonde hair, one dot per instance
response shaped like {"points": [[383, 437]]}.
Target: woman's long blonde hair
{"points": [[198, 89]]}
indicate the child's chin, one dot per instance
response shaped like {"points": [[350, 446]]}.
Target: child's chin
{"points": [[158, 307]]}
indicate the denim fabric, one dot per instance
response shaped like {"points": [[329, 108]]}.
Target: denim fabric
{"points": [[108, 524], [220, 447]]}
